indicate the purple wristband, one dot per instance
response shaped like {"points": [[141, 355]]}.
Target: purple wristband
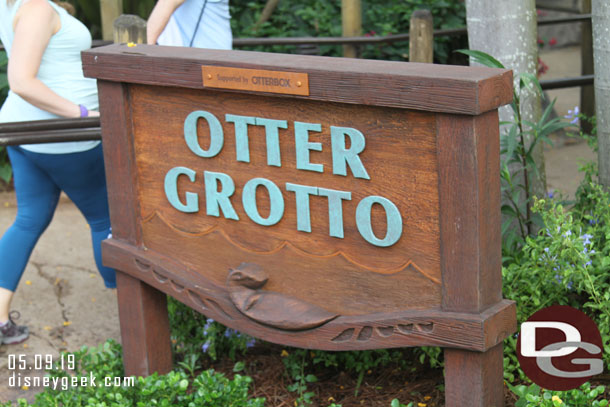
{"points": [[83, 111]]}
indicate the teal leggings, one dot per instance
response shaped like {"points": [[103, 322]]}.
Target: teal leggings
{"points": [[39, 179]]}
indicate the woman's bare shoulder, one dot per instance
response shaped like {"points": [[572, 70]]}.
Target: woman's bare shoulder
{"points": [[36, 11]]}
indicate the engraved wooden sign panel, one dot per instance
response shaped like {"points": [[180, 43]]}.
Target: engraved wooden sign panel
{"points": [[361, 213], [328, 263]]}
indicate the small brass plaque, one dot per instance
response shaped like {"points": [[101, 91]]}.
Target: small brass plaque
{"points": [[258, 80]]}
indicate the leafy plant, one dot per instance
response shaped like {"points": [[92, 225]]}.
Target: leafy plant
{"points": [[193, 333], [566, 263], [319, 19], [585, 396], [296, 363], [301, 365], [208, 389], [517, 162]]}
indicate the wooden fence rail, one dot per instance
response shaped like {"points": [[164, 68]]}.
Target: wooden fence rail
{"points": [[48, 131]]}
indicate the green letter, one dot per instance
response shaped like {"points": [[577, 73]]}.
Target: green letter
{"points": [[393, 220], [273, 139], [171, 190], [190, 133], [303, 146], [302, 193], [242, 148], [342, 155], [335, 209], [276, 201], [215, 199]]}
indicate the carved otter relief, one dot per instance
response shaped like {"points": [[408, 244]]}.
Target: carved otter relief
{"points": [[245, 284]]}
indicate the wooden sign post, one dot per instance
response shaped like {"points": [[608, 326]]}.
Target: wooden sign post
{"points": [[323, 203]]}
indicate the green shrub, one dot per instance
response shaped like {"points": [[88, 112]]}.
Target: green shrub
{"points": [[194, 334], [208, 389], [585, 396], [567, 263], [312, 18]]}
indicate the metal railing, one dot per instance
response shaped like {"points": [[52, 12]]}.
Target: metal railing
{"points": [[50, 131]]}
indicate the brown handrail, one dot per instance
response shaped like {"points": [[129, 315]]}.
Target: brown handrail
{"points": [[50, 136], [52, 124]]}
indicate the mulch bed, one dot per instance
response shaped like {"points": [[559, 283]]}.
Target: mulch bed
{"points": [[417, 383], [380, 386]]}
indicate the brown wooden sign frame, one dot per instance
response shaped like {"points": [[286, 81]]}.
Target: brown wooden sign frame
{"points": [[471, 319]]}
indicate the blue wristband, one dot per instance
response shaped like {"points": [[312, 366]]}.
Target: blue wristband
{"points": [[83, 111]]}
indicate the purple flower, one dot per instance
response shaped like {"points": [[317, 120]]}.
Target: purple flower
{"points": [[573, 115], [228, 333], [207, 325], [586, 238], [551, 194], [205, 346], [250, 343]]}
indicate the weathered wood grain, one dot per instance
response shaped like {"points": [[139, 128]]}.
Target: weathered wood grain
{"points": [[428, 327], [144, 327], [471, 263], [474, 379], [469, 188], [343, 274], [436, 88], [117, 143]]}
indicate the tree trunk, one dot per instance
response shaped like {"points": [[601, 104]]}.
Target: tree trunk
{"points": [[507, 30], [266, 14], [601, 56]]}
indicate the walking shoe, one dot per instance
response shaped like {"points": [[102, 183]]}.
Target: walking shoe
{"points": [[11, 333]]}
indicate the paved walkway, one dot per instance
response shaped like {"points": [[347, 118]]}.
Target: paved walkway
{"points": [[61, 296]]}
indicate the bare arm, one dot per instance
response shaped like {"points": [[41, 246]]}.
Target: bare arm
{"points": [[34, 25], [159, 17]]}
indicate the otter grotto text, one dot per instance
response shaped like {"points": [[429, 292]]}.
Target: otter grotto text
{"points": [[219, 187]]}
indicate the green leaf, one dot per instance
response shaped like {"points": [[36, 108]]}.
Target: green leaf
{"points": [[6, 172], [311, 378], [547, 113], [239, 366], [529, 80], [511, 141], [482, 58], [509, 210]]}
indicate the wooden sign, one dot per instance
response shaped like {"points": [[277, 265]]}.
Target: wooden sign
{"points": [[315, 202]]}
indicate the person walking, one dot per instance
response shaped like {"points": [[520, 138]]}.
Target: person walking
{"points": [[190, 23], [43, 43]]}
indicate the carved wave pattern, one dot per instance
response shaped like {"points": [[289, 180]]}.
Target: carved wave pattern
{"points": [[365, 333], [203, 303], [357, 334], [289, 246]]}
